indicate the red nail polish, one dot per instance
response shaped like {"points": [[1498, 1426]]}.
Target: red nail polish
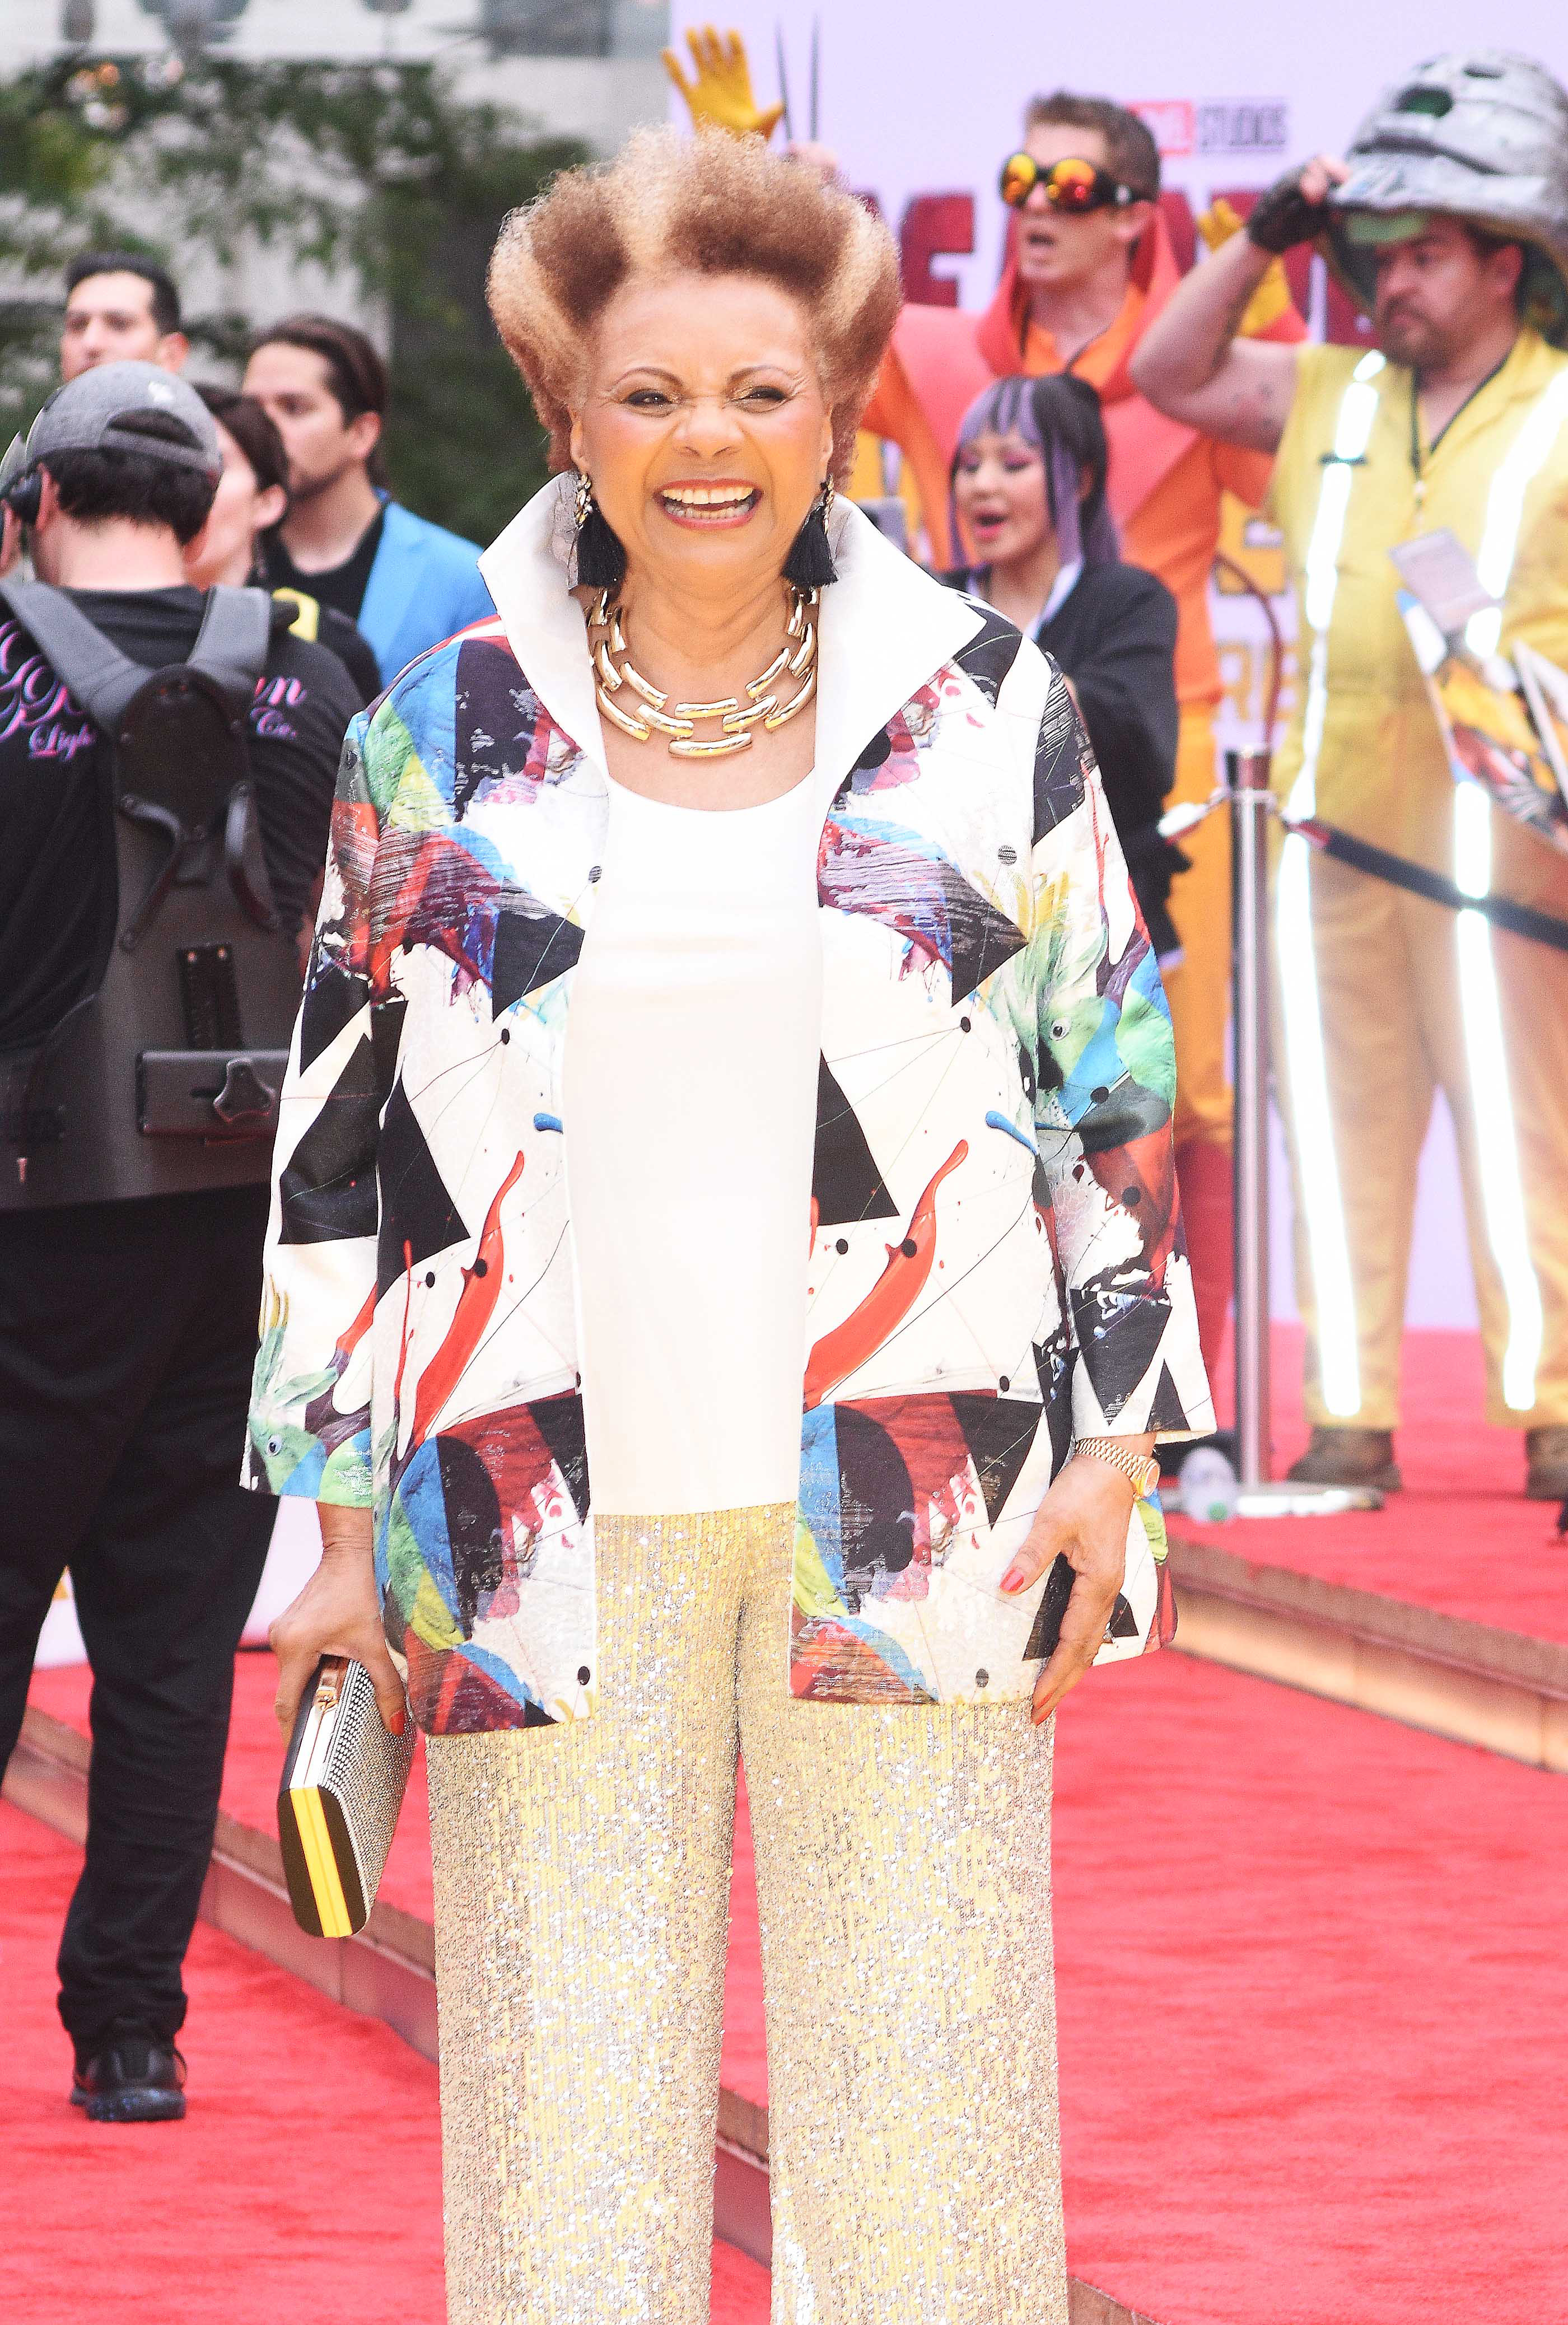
{"points": [[1012, 1579], [401, 1723]]}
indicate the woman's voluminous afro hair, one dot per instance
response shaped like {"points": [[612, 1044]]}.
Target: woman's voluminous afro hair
{"points": [[712, 204]]}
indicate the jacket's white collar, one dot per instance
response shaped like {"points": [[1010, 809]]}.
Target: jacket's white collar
{"points": [[527, 572], [885, 628]]}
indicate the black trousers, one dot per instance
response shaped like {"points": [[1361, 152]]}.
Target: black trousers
{"points": [[128, 1333]]}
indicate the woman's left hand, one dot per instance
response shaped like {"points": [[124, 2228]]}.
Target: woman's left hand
{"points": [[1084, 1516]]}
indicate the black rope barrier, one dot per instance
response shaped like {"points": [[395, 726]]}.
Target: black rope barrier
{"points": [[1379, 864]]}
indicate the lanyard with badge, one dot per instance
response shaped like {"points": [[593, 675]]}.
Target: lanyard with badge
{"points": [[1503, 719], [1419, 456]]}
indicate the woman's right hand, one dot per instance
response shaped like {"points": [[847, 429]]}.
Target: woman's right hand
{"points": [[338, 1612]]}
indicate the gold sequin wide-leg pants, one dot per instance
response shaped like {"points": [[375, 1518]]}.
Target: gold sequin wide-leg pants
{"points": [[582, 1899]]}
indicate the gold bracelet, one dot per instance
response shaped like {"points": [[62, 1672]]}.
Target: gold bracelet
{"points": [[1142, 1468]]}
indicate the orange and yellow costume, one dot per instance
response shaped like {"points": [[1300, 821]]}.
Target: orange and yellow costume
{"points": [[1165, 488]]}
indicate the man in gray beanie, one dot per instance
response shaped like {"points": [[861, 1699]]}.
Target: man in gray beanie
{"points": [[167, 762]]}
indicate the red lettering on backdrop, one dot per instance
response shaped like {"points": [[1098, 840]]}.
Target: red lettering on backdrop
{"points": [[934, 226], [1170, 121], [1177, 212]]}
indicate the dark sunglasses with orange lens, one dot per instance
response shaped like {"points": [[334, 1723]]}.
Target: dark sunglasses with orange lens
{"points": [[1071, 185]]}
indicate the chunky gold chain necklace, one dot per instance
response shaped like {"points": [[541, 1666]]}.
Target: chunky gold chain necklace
{"points": [[649, 712]]}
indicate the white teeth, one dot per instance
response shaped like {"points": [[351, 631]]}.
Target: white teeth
{"points": [[707, 496]]}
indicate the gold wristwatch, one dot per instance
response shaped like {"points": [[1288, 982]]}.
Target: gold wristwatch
{"points": [[1142, 1468]]}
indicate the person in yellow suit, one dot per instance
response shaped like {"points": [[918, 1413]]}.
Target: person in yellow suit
{"points": [[1451, 224]]}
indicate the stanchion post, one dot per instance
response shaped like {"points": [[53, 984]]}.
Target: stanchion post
{"points": [[1252, 803], [1246, 774]]}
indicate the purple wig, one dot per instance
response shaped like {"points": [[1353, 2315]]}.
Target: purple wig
{"points": [[1060, 416]]}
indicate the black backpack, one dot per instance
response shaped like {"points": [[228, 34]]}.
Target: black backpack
{"points": [[162, 1075]]}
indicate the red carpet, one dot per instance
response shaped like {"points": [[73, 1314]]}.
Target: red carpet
{"points": [[1313, 2040], [1314, 2007], [1313, 2001], [305, 2181], [1460, 1537], [250, 1773], [1313, 1992], [250, 1779]]}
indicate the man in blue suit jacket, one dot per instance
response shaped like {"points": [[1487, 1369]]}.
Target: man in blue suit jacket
{"points": [[345, 541]]}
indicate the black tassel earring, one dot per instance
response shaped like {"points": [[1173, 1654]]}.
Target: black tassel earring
{"points": [[810, 564], [601, 561]]}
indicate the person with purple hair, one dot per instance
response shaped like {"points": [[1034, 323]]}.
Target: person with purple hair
{"points": [[1029, 506]]}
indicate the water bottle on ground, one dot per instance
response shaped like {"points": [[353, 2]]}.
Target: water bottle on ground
{"points": [[1208, 1487]]}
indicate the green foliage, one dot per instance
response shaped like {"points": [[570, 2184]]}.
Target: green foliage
{"points": [[378, 170]]}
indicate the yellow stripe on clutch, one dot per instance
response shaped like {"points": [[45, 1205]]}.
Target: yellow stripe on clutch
{"points": [[299, 1801], [323, 1866]]}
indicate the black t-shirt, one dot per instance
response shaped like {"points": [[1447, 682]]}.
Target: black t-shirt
{"points": [[56, 836], [341, 587], [347, 641], [309, 618]]}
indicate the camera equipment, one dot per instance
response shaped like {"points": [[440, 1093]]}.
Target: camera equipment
{"points": [[164, 1078]]}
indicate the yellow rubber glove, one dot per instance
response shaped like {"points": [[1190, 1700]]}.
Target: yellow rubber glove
{"points": [[1272, 296], [719, 97]]}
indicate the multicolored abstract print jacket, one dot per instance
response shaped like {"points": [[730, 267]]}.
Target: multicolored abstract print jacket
{"points": [[997, 1258]]}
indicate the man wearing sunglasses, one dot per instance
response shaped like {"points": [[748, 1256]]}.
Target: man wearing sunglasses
{"points": [[1449, 424], [1090, 265]]}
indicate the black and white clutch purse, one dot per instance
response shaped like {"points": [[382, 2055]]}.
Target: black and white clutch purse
{"points": [[342, 1786]]}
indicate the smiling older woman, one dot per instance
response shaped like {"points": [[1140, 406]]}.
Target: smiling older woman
{"points": [[726, 1172]]}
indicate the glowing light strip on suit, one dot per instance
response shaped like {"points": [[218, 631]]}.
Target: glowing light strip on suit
{"points": [[1328, 1247], [1491, 1106], [1516, 472], [1481, 1013]]}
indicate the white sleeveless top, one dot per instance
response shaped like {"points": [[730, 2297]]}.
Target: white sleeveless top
{"points": [[689, 1112]]}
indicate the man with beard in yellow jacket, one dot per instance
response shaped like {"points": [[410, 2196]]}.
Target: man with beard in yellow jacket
{"points": [[1451, 224]]}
